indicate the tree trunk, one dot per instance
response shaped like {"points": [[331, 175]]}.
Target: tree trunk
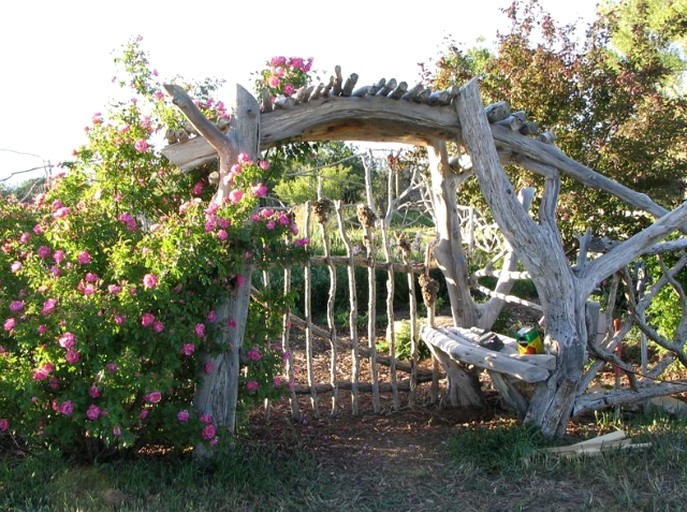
{"points": [[217, 395], [540, 249], [463, 384]]}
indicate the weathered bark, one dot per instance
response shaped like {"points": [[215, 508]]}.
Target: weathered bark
{"points": [[540, 249], [448, 251], [217, 396]]}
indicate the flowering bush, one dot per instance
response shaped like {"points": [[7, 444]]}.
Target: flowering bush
{"points": [[283, 76], [109, 284]]}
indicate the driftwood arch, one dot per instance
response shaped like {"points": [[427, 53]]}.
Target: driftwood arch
{"points": [[492, 137]]}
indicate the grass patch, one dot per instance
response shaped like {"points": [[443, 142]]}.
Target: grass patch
{"points": [[499, 449], [247, 479], [647, 479]]}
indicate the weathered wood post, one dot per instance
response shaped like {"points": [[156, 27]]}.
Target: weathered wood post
{"points": [[217, 396]]}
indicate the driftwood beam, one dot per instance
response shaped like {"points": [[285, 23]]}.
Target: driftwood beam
{"points": [[602, 400], [497, 111], [338, 82], [462, 350], [210, 132], [398, 91], [349, 85]]}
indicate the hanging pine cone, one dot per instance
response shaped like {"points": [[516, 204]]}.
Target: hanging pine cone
{"points": [[430, 289], [323, 209], [404, 245], [366, 216]]}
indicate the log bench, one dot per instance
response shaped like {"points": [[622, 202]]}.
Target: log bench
{"points": [[507, 367]]}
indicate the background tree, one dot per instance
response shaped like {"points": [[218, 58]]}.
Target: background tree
{"points": [[612, 98]]}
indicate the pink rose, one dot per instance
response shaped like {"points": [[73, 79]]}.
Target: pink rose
{"points": [[4, 424], [147, 319], [153, 397], [158, 326], [114, 288], [72, 356], [252, 386], [93, 412], [235, 195], [10, 324], [117, 431], [94, 391], [43, 251], [183, 415], [143, 414], [188, 349], [200, 330], [150, 281], [254, 354], [141, 145], [67, 340], [83, 257], [209, 431], [260, 190], [66, 407], [17, 305]]}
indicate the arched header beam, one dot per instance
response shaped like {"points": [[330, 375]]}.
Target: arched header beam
{"points": [[382, 119]]}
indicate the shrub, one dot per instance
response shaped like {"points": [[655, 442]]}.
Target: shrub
{"points": [[110, 282]]}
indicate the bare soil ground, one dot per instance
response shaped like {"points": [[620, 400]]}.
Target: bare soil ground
{"points": [[398, 460]]}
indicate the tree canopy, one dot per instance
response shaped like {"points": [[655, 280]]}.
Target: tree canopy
{"points": [[613, 97]]}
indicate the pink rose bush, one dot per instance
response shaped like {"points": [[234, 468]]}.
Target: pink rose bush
{"points": [[112, 278], [283, 76]]}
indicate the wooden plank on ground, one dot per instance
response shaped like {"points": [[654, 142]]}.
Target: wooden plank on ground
{"points": [[597, 445]]}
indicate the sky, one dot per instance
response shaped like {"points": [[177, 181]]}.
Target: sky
{"points": [[56, 58]]}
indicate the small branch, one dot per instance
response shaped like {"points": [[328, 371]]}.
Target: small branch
{"points": [[202, 124], [596, 401]]}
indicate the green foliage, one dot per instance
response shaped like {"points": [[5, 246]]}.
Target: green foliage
{"points": [[501, 450], [111, 283], [338, 183]]}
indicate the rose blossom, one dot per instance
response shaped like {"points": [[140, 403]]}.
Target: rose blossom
{"points": [[67, 340], [252, 386], [147, 319], [235, 195], [10, 324], [200, 330], [83, 257], [72, 356], [153, 397], [141, 145], [188, 349], [150, 281], [254, 354], [209, 431], [66, 407], [260, 190], [93, 412], [4, 424], [94, 391], [17, 305], [183, 415]]}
